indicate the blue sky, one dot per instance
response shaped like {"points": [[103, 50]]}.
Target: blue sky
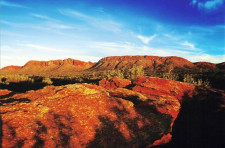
{"points": [[91, 29]]}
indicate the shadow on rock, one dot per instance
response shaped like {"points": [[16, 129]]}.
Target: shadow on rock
{"points": [[153, 126], [12, 100], [23, 86], [200, 122], [7, 95], [1, 132]]}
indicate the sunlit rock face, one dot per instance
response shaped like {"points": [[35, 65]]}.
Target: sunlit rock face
{"points": [[79, 115], [114, 82], [88, 115]]}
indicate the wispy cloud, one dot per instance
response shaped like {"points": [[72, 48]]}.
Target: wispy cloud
{"points": [[11, 23], [45, 17], [188, 44], [97, 22], [126, 48], [208, 4], [10, 4], [40, 16], [145, 39], [51, 22], [7, 60], [58, 25], [40, 47], [10, 33]]}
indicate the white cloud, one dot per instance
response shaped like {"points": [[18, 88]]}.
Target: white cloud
{"points": [[145, 39], [10, 4], [51, 23], [188, 44], [58, 25], [123, 48], [87, 58], [40, 47], [9, 33], [40, 16], [113, 48], [12, 24], [97, 22], [206, 58], [12, 60], [7, 60], [208, 5]]}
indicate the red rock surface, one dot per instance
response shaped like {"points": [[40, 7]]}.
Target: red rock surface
{"points": [[152, 85], [114, 82], [206, 66], [87, 115], [78, 115], [4, 92]]}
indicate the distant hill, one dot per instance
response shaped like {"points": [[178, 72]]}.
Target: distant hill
{"points": [[149, 64], [45, 67], [152, 62]]}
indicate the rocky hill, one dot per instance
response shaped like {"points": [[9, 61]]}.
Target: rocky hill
{"points": [[115, 113], [151, 62], [44, 67]]}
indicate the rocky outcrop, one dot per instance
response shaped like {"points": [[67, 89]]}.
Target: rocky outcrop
{"points": [[158, 86], [114, 82], [78, 115], [151, 112]]}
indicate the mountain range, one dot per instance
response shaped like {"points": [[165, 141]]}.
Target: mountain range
{"points": [[149, 63]]}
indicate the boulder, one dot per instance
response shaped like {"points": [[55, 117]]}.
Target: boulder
{"points": [[114, 82]]}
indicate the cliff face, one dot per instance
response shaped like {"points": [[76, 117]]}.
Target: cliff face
{"points": [[149, 113]]}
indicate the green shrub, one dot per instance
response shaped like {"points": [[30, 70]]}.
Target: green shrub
{"points": [[114, 73], [190, 78], [47, 81], [171, 76], [134, 72]]}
